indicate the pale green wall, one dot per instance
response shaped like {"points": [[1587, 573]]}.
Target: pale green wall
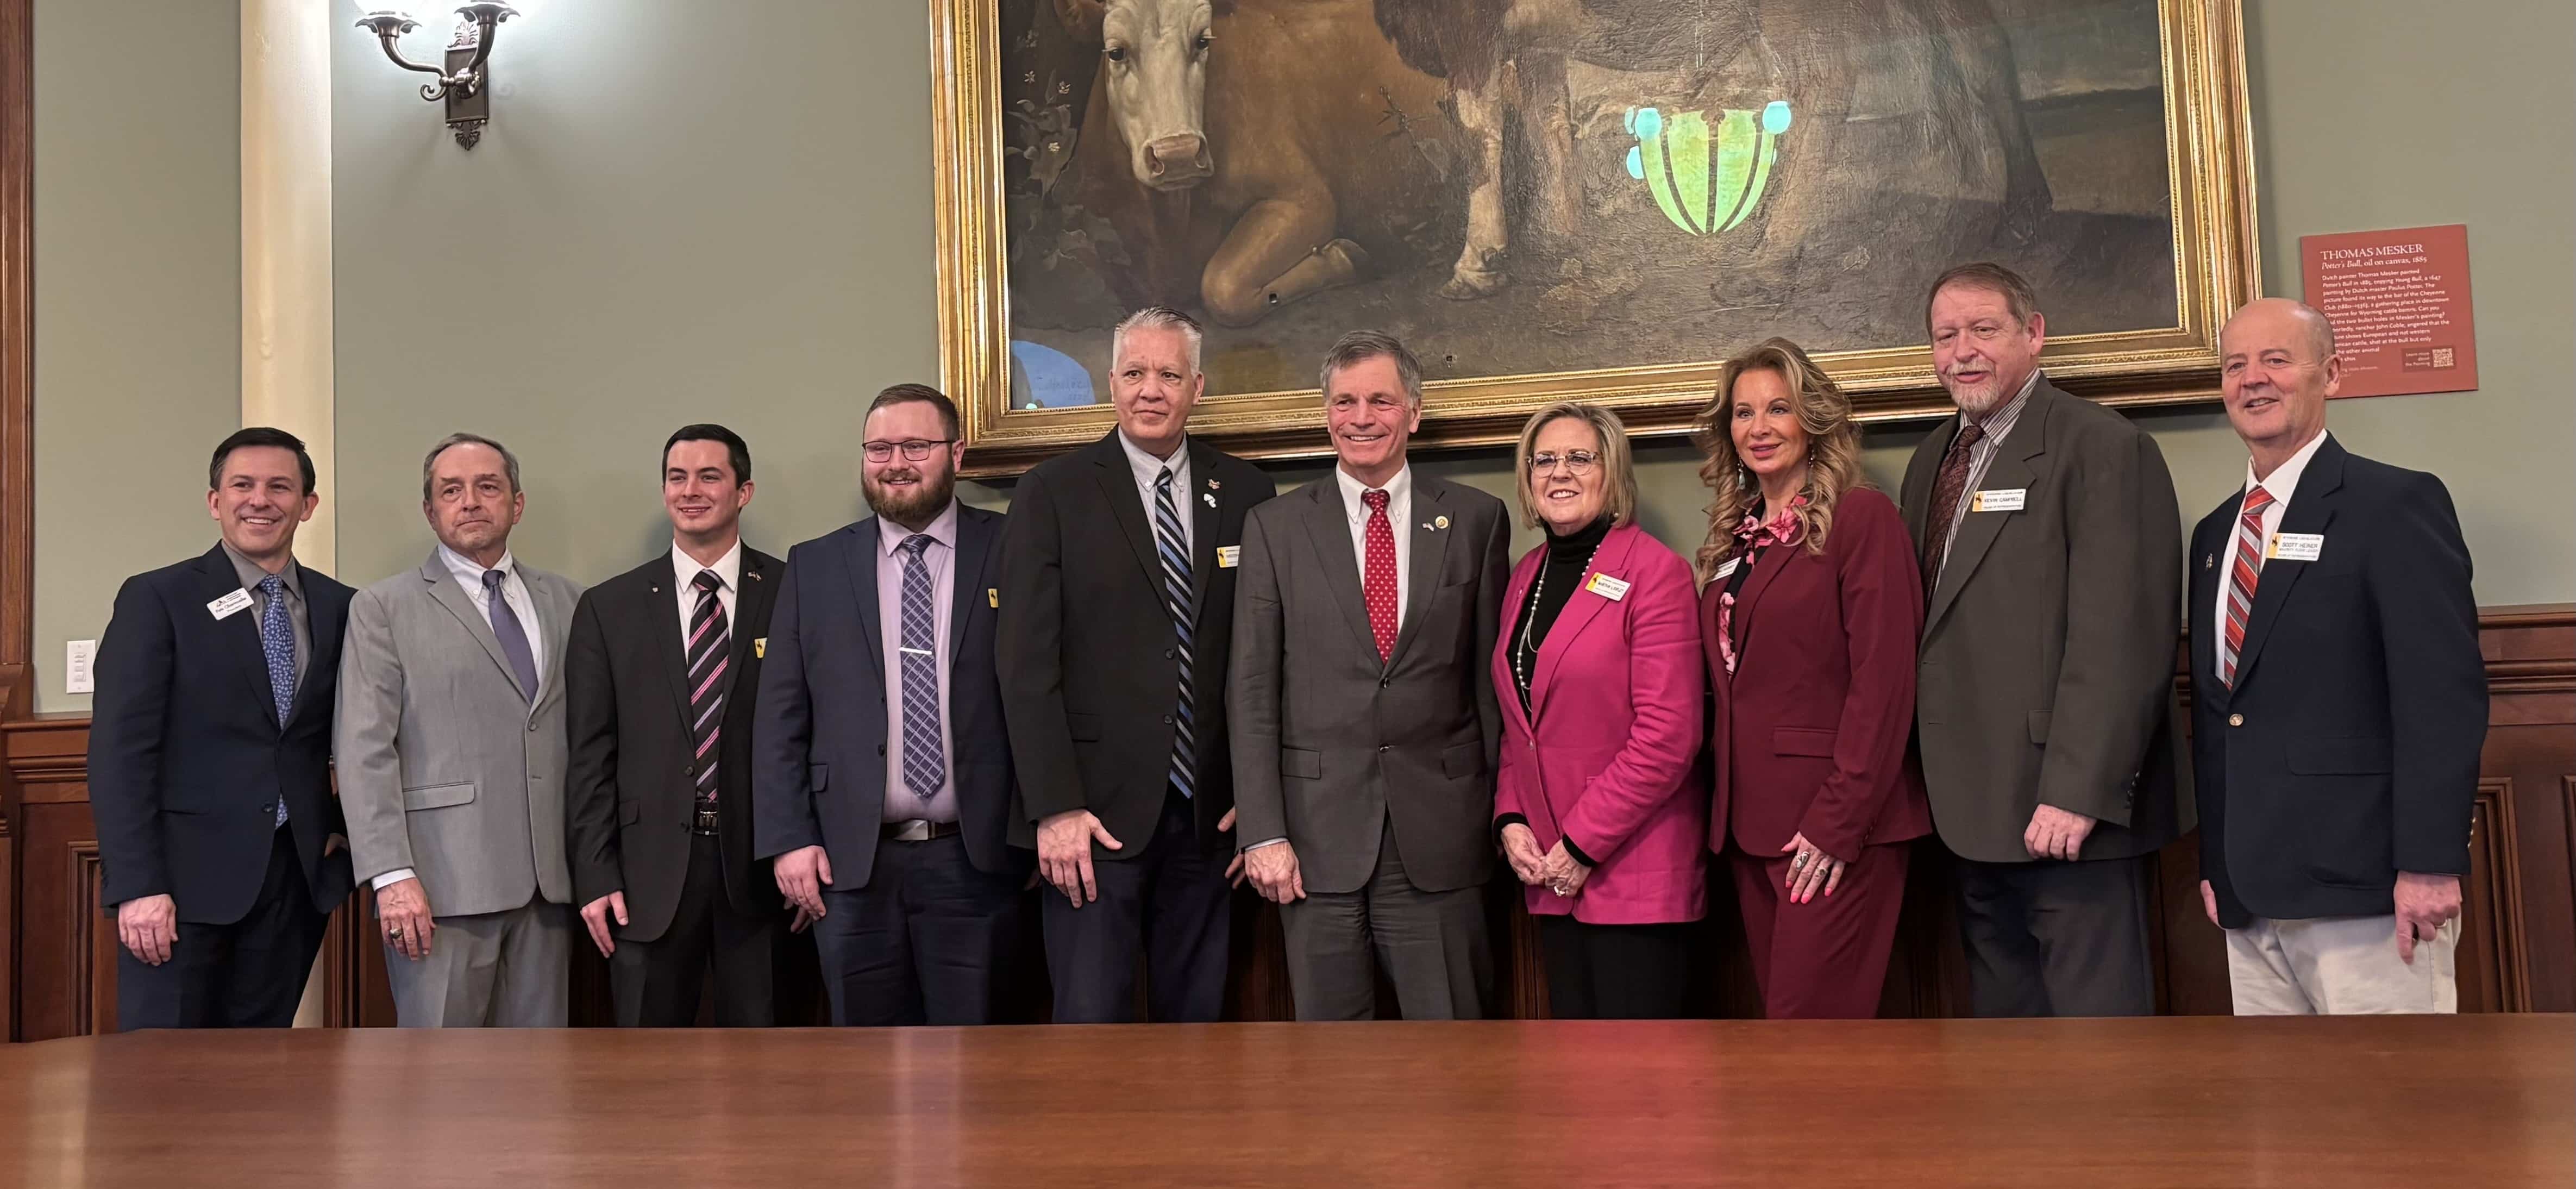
{"points": [[691, 211], [138, 298]]}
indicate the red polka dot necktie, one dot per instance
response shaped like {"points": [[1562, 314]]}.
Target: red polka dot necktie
{"points": [[1377, 581]]}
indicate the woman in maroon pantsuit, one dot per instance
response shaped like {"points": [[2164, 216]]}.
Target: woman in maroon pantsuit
{"points": [[1809, 619]]}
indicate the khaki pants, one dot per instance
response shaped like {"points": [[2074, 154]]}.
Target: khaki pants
{"points": [[2338, 966]]}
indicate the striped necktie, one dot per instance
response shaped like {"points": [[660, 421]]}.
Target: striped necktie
{"points": [[925, 767], [1175, 552], [710, 650], [2242, 573]]}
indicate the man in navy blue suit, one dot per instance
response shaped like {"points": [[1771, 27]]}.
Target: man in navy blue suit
{"points": [[881, 778], [210, 759], [2338, 699]]}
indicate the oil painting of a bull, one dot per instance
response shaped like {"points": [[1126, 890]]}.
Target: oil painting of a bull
{"points": [[1547, 186]]}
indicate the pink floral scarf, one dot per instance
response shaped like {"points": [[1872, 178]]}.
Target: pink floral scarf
{"points": [[1751, 534]]}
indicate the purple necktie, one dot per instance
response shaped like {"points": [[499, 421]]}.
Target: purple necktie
{"points": [[513, 637]]}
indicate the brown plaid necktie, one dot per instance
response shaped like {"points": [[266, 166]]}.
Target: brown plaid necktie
{"points": [[1946, 490]]}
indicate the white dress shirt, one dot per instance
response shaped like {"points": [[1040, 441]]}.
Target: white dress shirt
{"points": [[1399, 511], [2283, 481], [901, 803], [684, 569], [1149, 468], [514, 592]]}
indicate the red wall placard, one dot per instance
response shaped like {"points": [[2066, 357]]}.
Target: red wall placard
{"points": [[2399, 302]]}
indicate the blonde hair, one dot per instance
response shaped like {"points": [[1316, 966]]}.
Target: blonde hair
{"points": [[1833, 449], [1618, 469]]}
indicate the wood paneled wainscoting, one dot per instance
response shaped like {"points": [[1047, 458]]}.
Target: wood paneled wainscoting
{"points": [[2518, 954]]}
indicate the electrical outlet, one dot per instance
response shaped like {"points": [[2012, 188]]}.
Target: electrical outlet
{"points": [[78, 655]]}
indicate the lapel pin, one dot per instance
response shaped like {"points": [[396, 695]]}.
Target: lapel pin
{"points": [[1213, 485], [755, 575], [2209, 561], [1209, 497], [1440, 522]]}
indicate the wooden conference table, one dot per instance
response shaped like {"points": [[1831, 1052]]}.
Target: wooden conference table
{"points": [[2470, 1100]]}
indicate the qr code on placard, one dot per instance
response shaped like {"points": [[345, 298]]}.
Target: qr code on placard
{"points": [[2446, 357]]}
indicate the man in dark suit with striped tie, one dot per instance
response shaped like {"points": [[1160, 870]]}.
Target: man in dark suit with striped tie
{"points": [[1117, 596], [883, 779], [210, 759], [660, 672]]}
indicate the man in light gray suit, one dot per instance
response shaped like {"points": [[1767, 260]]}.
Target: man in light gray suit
{"points": [[1363, 710], [451, 758]]}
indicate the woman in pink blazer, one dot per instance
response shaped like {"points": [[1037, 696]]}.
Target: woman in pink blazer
{"points": [[1603, 693], [1811, 615]]}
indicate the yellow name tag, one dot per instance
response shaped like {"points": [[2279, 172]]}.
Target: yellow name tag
{"points": [[1228, 556], [1607, 587]]}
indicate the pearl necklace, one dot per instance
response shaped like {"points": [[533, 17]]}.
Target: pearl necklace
{"points": [[1525, 657]]}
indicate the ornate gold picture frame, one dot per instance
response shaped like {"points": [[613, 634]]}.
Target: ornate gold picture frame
{"points": [[1599, 212]]}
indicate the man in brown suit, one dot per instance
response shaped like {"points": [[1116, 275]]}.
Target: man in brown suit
{"points": [[2049, 538]]}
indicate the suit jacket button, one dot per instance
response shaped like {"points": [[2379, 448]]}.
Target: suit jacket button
{"points": [[2236, 720], [1167, 654], [1384, 682], [1167, 720], [880, 749], [532, 728], [1384, 747]]}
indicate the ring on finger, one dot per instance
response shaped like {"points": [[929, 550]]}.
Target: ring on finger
{"points": [[1799, 862]]}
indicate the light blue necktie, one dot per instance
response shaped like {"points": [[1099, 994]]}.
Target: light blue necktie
{"points": [[277, 640], [923, 768]]}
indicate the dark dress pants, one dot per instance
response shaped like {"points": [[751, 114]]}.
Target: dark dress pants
{"points": [[1614, 972], [2053, 938], [926, 942], [248, 974], [1170, 901], [656, 983]]}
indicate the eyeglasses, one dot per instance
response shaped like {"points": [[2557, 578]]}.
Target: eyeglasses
{"points": [[914, 449], [1579, 462]]}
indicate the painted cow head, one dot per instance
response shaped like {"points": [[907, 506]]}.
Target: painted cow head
{"points": [[1153, 65]]}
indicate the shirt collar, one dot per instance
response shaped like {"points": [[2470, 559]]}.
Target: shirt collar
{"points": [[469, 575], [250, 573], [942, 528], [2284, 479], [2009, 412], [1398, 490], [684, 568], [1148, 468]]}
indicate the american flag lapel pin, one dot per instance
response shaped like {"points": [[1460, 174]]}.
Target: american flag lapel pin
{"points": [[2209, 561]]}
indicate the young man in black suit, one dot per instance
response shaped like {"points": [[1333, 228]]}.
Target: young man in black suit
{"points": [[2338, 699], [660, 673], [885, 777], [1117, 594], [210, 759]]}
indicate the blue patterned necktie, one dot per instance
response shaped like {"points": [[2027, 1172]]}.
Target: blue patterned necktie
{"points": [[277, 640], [513, 637], [1175, 552], [924, 769]]}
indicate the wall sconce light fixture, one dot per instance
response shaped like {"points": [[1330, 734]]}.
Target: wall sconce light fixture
{"points": [[464, 81]]}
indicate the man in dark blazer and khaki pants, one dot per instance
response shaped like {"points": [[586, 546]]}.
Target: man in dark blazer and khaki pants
{"points": [[1363, 708], [1117, 600], [210, 759], [2339, 701], [659, 680], [2046, 527], [884, 776]]}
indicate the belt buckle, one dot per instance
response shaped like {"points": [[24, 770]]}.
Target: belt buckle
{"points": [[916, 830], [705, 822]]}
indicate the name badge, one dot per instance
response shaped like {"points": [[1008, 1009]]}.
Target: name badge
{"points": [[2005, 499], [1607, 587], [1726, 571], [225, 606], [759, 647], [1228, 556], [2296, 546]]}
